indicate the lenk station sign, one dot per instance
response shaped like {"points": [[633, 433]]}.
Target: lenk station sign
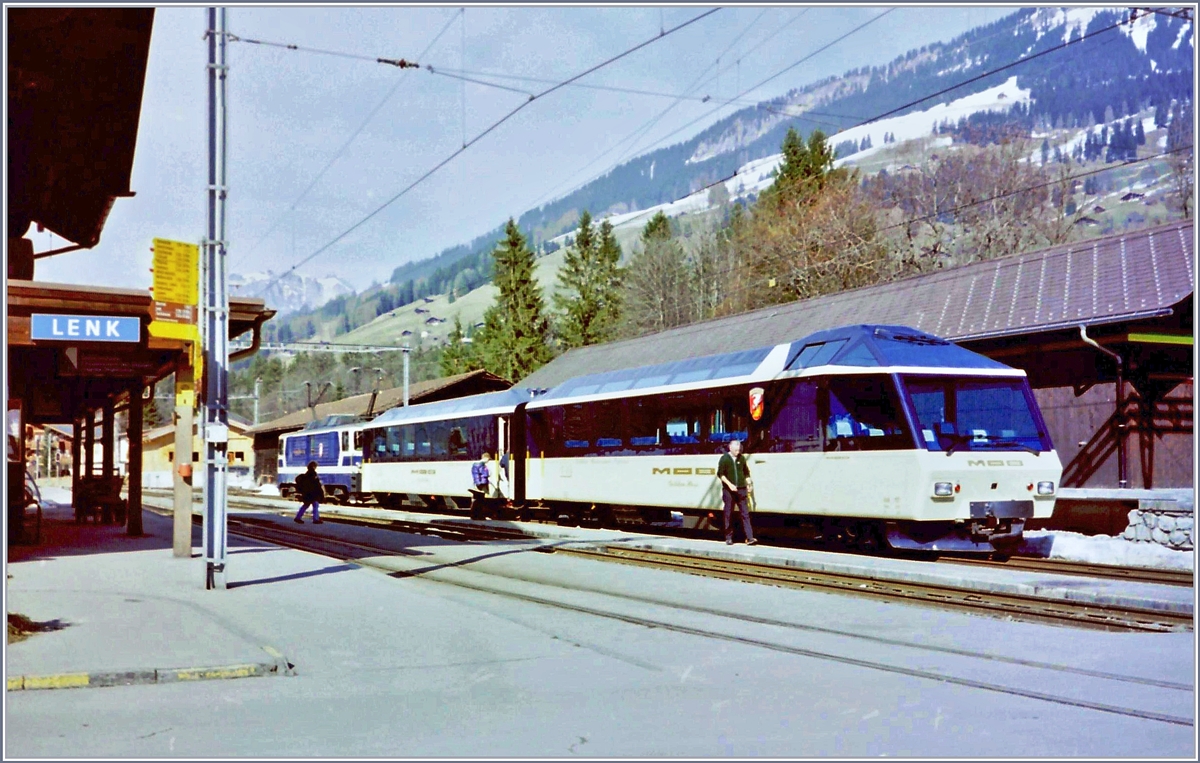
{"points": [[84, 328]]}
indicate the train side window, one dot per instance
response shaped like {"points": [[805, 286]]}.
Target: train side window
{"points": [[345, 441], [641, 423], [864, 414], [457, 442], [576, 432], [421, 439], [394, 441], [358, 439], [439, 439], [607, 429], [795, 426]]}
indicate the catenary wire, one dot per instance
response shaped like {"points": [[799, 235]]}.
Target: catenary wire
{"points": [[483, 134], [943, 91], [541, 199], [341, 151]]}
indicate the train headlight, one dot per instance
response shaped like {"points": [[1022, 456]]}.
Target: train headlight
{"points": [[943, 489], [1045, 488]]}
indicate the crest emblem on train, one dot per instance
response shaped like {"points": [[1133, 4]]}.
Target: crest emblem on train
{"points": [[756, 403]]}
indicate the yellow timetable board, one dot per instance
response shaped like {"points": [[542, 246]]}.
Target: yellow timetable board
{"points": [[176, 272]]}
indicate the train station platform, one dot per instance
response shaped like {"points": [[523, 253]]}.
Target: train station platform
{"points": [[101, 608]]}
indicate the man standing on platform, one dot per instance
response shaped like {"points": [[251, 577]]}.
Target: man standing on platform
{"points": [[735, 484], [308, 486]]}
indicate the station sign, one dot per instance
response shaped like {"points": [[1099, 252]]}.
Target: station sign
{"points": [[85, 328]]}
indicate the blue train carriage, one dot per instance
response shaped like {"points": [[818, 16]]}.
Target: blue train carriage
{"points": [[335, 443], [423, 454], [863, 435]]}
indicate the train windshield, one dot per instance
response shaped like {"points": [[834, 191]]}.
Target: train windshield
{"points": [[964, 414]]}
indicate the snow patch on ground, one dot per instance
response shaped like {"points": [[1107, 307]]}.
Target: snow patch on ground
{"points": [[754, 177], [1104, 549], [269, 489], [920, 123]]}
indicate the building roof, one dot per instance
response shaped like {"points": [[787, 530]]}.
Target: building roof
{"points": [[388, 398], [1116, 278], [75, 79], [235, 425]]}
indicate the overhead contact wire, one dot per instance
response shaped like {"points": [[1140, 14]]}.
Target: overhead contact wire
{"points": [[488, 130]]}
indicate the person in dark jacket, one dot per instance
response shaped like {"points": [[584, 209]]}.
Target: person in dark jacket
{"points": [[734, 474], [310, 490]]}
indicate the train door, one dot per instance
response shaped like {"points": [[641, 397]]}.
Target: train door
{"points": [[502, 455]]}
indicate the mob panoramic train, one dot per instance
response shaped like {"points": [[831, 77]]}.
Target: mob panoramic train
{"points": [[866, 436]]}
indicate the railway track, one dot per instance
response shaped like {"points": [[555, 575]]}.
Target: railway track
{"points": [[1014, 606], [1063, 567]]}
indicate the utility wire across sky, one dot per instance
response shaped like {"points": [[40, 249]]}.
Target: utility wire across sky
{"points": [[910, 104], [486, 131], [353, 136]]}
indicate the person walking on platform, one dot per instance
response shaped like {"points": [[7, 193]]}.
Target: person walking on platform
{"points": [[482, 477], [310, 490], [735, 486]]}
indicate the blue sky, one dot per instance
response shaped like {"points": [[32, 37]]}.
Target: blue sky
{"points": [[291, 111]]}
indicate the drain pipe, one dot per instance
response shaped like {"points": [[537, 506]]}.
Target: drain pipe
{"points": [[1122, 466]]}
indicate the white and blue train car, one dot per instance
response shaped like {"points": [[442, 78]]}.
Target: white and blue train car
{"points": [[335, 444], [425, 452], [865, 435]]}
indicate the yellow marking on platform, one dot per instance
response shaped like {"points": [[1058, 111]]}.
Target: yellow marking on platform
{"points": [[201, 674], [16, 683], [59, 681]]}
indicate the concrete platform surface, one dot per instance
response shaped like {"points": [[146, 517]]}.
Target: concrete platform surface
{"points": [[123, 610]]}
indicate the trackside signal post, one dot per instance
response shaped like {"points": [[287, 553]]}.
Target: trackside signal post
{"points": [[216, 315]]}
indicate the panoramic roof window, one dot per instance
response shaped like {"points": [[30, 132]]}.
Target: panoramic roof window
{"points": [[817, 354]]}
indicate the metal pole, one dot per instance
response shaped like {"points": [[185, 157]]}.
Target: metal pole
{"points": [[405, 377], [133, 519], [216, 350], [1119, 419], [257, 392]]}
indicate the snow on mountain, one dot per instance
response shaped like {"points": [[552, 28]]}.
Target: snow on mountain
{"points": [[753, 177], [1073, 21], [1140, 29], [291, 292]]}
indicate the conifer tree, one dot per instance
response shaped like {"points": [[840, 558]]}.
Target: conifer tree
{"points": [[513, 341], [805, 168], [589, 281], [457, 357]]}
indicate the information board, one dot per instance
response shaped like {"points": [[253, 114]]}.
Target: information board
{"points": [[176, 281]]}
